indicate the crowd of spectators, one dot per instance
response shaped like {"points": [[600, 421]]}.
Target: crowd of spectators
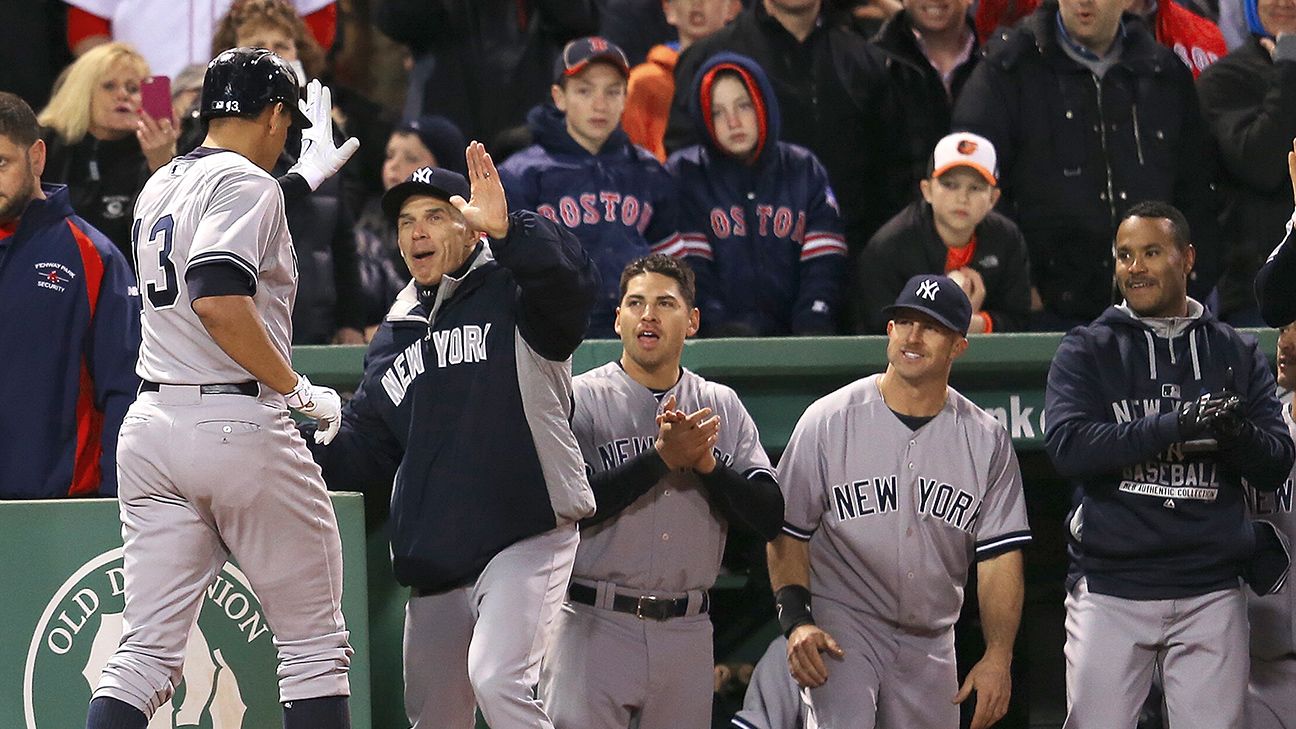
{"points": [[804, 156]]}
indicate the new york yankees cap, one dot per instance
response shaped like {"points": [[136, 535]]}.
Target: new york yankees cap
{"points": [[434, 181], [580, 53], [938, 297], [964, 149]]}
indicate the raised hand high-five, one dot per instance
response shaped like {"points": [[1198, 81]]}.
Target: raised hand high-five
{"points": [[487, 211], [320, 156]]}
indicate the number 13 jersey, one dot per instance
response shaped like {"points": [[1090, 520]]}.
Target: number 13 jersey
{"points": [[209, 207]]}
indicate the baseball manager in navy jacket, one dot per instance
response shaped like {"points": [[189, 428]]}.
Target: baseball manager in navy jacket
{"points": [[490, 482], [1160, 413]]}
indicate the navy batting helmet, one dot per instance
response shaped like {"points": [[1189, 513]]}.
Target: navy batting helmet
{"points": [[243, 81]]}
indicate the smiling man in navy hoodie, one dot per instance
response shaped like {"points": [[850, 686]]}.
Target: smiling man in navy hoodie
{"points": [[1158, 413], [70, 330], [585, 174]]}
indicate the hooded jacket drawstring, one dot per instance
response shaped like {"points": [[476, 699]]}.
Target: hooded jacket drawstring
{"points": [[1152, 354], [1192, 349]]}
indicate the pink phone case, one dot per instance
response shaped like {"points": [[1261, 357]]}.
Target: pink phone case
{"points": [[155, 96]]}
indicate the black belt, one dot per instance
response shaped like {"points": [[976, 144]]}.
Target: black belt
{"points": [[251, 389], [644, 607]]}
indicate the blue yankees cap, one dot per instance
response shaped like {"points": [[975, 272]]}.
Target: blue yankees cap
{"points": [[435, 181], [582, 52], [938, 297]]}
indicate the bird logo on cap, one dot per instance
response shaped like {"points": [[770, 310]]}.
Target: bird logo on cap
{"points": [[966, 146], [927, 289]]}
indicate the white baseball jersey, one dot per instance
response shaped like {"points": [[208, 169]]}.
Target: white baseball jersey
{"points": [[670, 539], [1273, 617], [895, 516], [210, 206], [171, 34]]}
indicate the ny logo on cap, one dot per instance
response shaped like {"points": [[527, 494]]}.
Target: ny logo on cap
{"points": [[423, 175], [927, 290]]}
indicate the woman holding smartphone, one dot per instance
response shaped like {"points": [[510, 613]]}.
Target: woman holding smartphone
{"points": [[101, 143]]}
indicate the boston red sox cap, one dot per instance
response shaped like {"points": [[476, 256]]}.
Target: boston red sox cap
{"points": [[580, 53], [938, 297], [435, 181]]}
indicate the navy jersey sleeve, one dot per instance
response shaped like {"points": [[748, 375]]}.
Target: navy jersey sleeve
{"points": [[558, 283], [113, 350], [694, 231], [365, 453], [1265, 453], [1275, 284], [823, 260], [662, 232]]}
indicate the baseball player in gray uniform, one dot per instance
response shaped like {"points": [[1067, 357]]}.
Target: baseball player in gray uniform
{"points": [[674, 461], [773, 699], [1271, 688], [895, 486], [209, 462]]}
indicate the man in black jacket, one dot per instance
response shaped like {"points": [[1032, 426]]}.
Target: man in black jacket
{"points": [[937, 37], [483, 63], [840, 95], [1249, 100], [1090, 115]]}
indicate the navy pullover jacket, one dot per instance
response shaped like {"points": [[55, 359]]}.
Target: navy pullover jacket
{"points": [[764, 235], [71, 333], [1156, 518]]}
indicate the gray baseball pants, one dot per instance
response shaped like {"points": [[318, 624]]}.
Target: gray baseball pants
{"points": [[202, 478], [481, 644], [1114, 644], [609, 670]]}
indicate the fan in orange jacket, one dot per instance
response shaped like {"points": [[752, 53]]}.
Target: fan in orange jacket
{"points": [[652, 83]]}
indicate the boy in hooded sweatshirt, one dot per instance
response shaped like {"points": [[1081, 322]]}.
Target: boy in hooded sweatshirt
{"points": [[583, 172], [759, 222]]}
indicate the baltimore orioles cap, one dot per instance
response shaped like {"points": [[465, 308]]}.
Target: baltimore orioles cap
{"points": [[964, 149], [433, 181], [580, 53], [938, 297]]}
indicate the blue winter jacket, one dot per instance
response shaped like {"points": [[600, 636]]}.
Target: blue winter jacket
{"points": [[1154, 517], [620, 203], [71, 334], [764, 235], [467, 398]]}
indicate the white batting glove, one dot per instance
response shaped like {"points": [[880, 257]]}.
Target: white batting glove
{"points": [[320, 158], [320, 403]]}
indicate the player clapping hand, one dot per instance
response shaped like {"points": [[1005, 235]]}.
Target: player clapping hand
{"points": [[687, 440]]}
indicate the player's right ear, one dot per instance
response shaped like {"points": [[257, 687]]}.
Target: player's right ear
{"points": [[36, 158]]}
